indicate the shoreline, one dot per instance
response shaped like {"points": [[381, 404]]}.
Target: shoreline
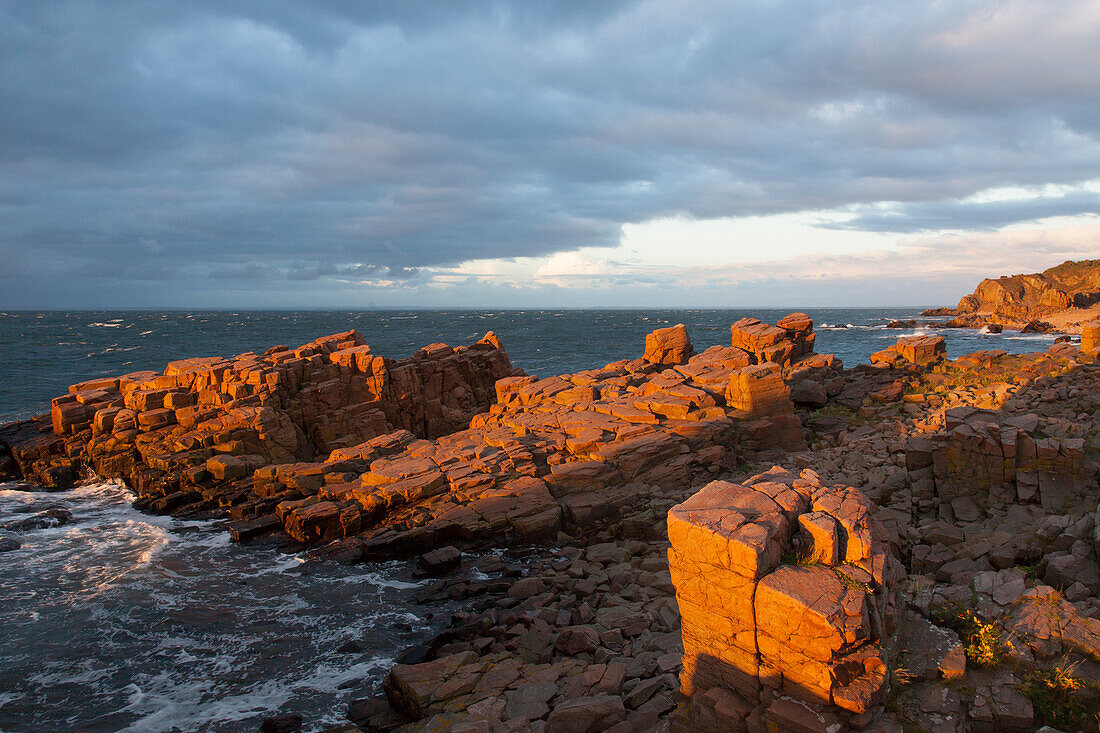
{"points": [[855, 427]]}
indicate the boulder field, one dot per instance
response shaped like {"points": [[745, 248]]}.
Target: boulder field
{"points": [[748, 537]]}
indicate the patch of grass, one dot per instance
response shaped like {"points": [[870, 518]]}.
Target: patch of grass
{"points": [[849, 582], [1055, 693], [841, 411], [984, 642], [986, 646], [796, 557], [901, 676]]}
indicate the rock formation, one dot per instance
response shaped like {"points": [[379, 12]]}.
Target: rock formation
{"points": [[781, 598], [564, 453], [787, 341], [1090, 340], [982, 460], [912, 350], [223, 418], [788, 596], [1017, 300], [329, 442], [976, 475]]}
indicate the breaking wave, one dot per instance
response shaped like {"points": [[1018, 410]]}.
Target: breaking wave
{"points": [[123, 621]]}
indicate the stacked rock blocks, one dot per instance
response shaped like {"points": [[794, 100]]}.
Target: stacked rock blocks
{"points": [[788, 594]]}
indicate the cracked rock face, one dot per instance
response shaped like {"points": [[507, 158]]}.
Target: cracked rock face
{"points": [[983, 460], [788, 596]]}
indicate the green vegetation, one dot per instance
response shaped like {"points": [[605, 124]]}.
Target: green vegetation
{"points": [[841, 411], [984, 642], [1056, 694], [849, 582], [794, 557]]}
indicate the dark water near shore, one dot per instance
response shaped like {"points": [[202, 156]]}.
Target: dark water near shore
{"points": [[122, 621]]}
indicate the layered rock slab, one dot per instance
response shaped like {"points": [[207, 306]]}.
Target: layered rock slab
{"points": [[788, 593], [220, 418], [568, 452]]}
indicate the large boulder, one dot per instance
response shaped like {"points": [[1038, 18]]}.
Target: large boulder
{"points": [[786, 583], [668, 345], [912, 350], [789, 340]]}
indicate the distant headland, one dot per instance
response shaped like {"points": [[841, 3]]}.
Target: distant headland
{"points": [[1061, 298]]}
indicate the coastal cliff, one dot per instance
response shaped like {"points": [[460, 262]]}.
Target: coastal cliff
{"points": [[1065, 297]]}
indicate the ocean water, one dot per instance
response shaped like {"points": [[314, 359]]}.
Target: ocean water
{"points": [[124, 621], [42, 353]]}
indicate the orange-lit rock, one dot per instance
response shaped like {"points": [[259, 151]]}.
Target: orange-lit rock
{"points": [[912, 350], [1090, 339], [790, 339], [668, 345], [759, 390], [338, 443], [283, 405], [786, 586]]}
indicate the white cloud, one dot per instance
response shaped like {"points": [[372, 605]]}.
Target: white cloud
{"points": [[690, 262]]}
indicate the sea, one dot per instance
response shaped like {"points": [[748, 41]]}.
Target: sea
{"points": [[123, 621]]}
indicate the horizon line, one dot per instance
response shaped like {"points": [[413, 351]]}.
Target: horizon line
{"points": [[454, 309]]}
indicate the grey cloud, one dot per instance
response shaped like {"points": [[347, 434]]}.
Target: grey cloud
{"points": [[939, 215], [293, 142]]}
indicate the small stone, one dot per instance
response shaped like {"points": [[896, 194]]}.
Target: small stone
{"points": [[586, 715], [289, 723], [528, 702], [574, 640], [527, 587], [440, 561]]}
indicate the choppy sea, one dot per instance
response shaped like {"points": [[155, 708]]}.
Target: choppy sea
{"points": [[124, 621]]}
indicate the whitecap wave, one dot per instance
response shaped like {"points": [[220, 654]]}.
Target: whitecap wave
{"points": [[167, 624]]}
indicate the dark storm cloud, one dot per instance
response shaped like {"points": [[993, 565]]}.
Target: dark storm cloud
{"points": [[292, 143]]}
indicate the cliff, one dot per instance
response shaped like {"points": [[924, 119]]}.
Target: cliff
{"points": [[1015, 300]]}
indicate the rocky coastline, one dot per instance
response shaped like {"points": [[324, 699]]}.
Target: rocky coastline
{"points": [[749, 537], [1062, 299]]}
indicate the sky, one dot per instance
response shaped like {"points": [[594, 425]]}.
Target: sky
{"points": [[679, 153]]}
